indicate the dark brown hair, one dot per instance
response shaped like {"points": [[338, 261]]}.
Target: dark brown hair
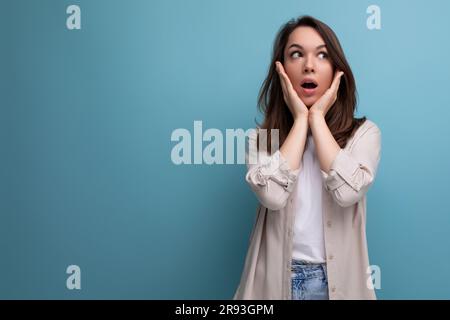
{"points": [[339, 118]]}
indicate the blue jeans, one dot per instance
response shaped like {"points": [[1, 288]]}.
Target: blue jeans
{"points": [[309, 281]]}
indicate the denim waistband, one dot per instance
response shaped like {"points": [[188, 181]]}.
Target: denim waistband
{"points": [[304, 262]]}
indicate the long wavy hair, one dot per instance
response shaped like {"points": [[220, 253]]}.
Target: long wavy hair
{"points": [[339, 118]]}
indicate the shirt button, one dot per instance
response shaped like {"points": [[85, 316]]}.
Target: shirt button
{"points": [[330, 257], [329, 223], [333, 289]]}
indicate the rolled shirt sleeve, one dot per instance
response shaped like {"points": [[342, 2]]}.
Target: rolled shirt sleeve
{"points": [[270, 178], [352, 172]]}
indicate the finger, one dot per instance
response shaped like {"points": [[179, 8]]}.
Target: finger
{"points": [[286, 79], [282, 79], [336, 81]]}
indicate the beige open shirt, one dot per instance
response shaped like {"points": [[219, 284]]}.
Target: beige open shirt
{"points": [[267, 268]]}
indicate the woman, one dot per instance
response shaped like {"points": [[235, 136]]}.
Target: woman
{"points": [[309, 238]]}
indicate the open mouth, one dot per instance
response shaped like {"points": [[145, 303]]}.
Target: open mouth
{"points": [[309, 85]]}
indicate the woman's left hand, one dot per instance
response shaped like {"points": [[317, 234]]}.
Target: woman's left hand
{"points": [[321, 106]]}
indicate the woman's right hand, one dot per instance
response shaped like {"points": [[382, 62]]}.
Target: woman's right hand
{"points": [[293, 101]]}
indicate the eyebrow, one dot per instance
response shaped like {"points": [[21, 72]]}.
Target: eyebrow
{"points": [[300, 47]]}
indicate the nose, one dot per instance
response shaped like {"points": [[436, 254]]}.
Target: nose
{"points": [[309, 65]]}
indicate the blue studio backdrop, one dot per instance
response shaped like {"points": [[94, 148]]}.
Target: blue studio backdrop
{"points": [[87, 115]]}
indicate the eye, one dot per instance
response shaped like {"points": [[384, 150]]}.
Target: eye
{"points": [[323, 55], [296, 54]]}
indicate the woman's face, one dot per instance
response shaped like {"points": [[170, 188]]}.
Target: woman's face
{"points": [[306, 61]]}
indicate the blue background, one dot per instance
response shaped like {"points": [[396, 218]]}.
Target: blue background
{"points": [[86, 118]]}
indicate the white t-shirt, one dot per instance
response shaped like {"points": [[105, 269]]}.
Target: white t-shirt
{"points": [[308, 239]]}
